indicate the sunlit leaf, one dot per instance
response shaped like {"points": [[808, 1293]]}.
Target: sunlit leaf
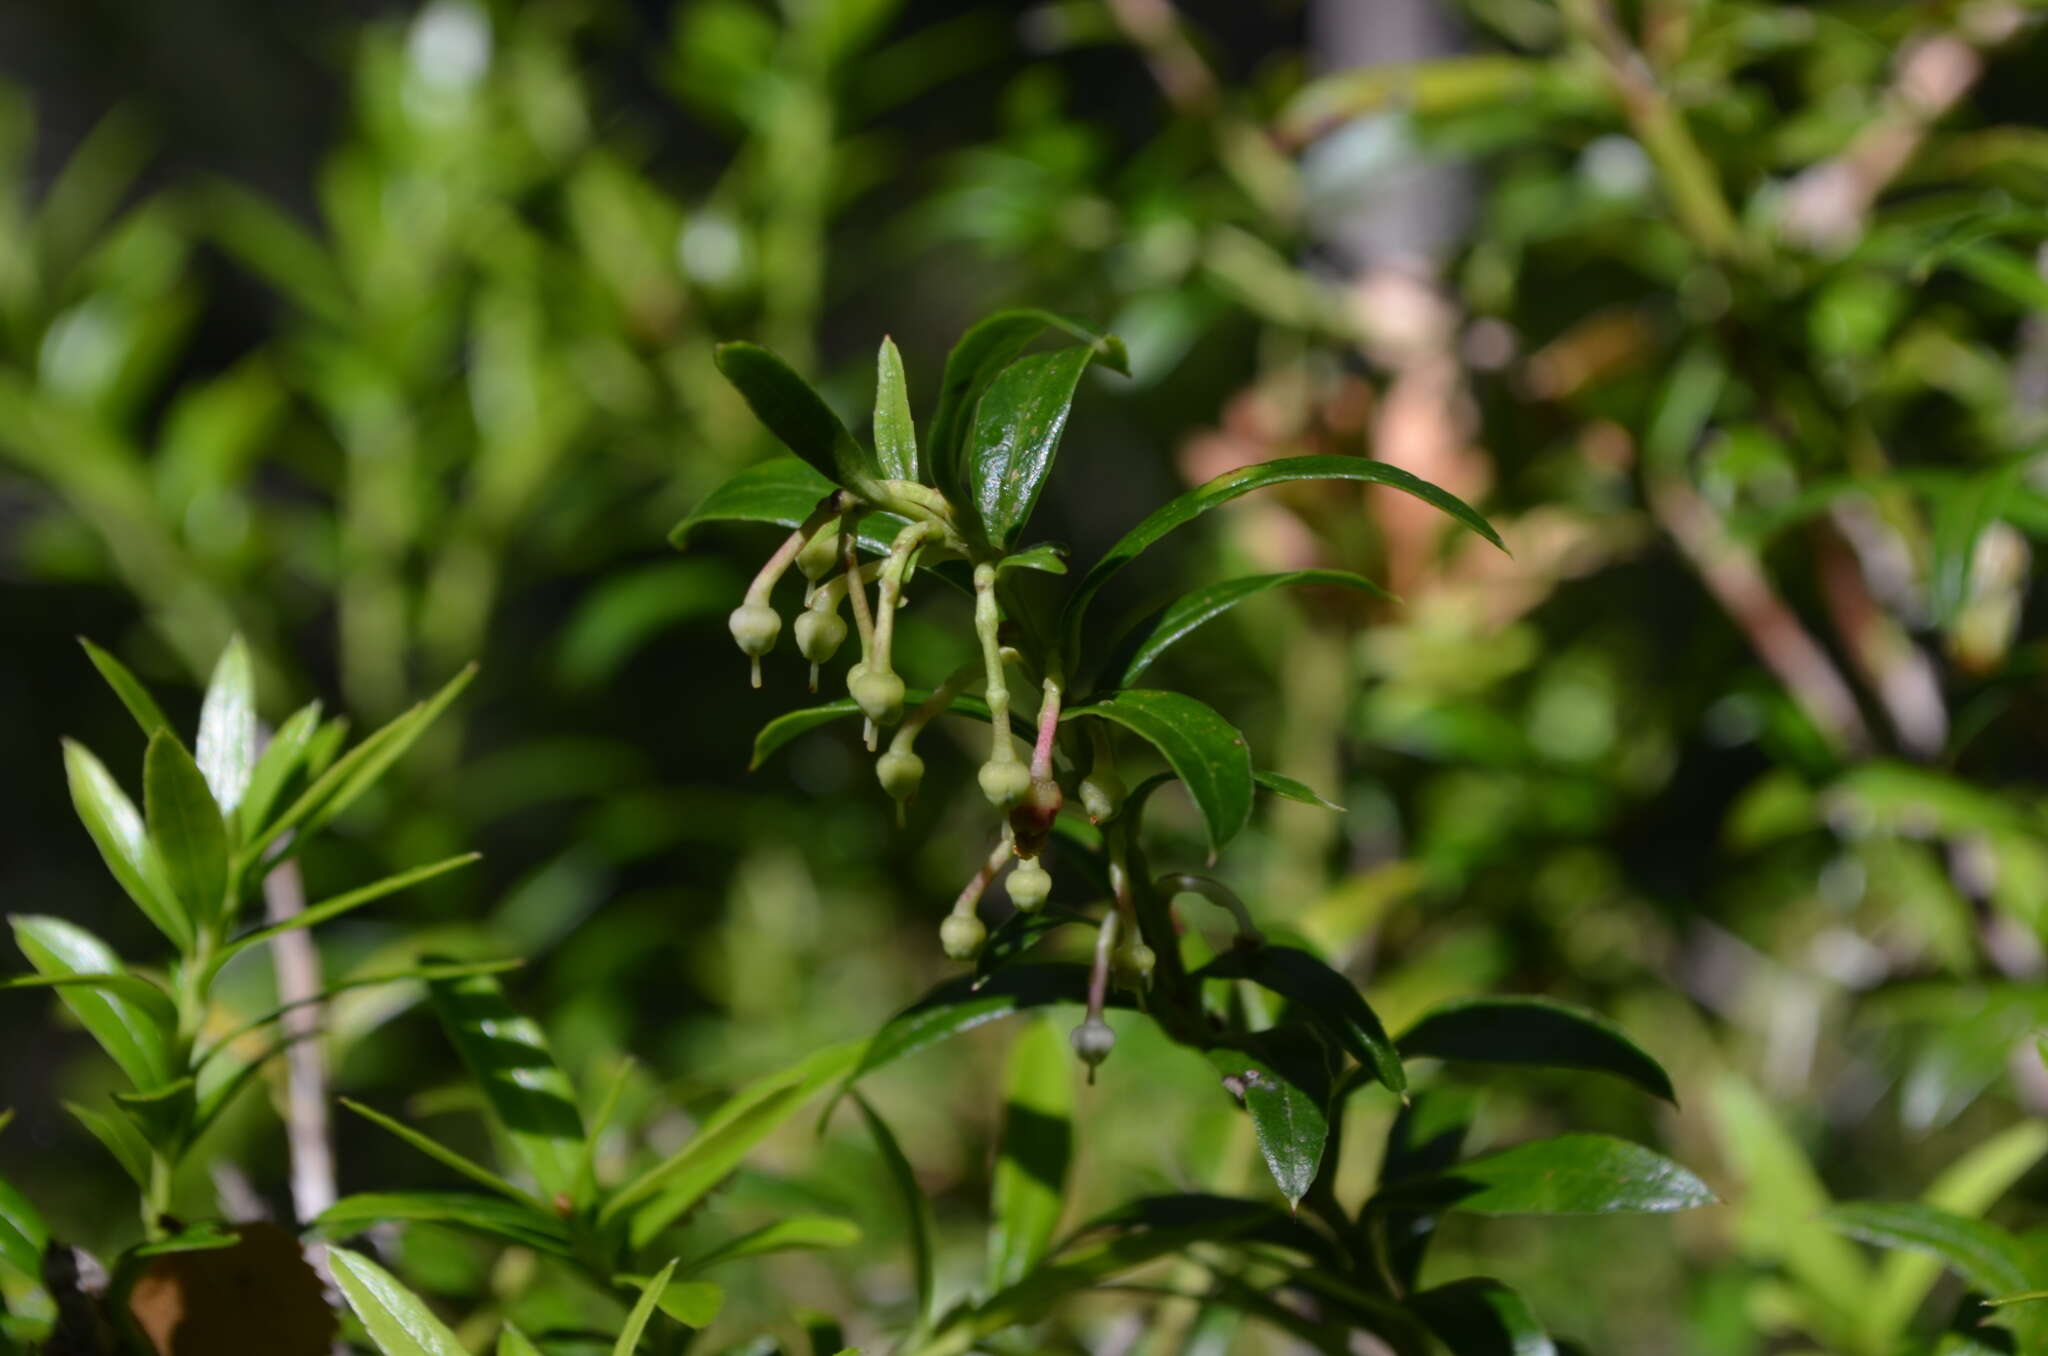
{"points": [[1028, 1192], [398, 1321], [917, 1217], [226, 747], [643, 1312], [1204, 750], [1533, 1031], [124, 1027], [1564, 1175], [490, 1216], [1013, 438], [1182, 617], [185, 828], [507, 1054], [895, 433], [128, 688]]}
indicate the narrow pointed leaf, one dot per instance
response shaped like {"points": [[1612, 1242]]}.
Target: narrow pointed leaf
{"points": [[1029, 1190], [785, 403], [137, 990], [643, 1312], [185, 828], [328, 909], [1288, 788], [1565, 1175], [781, 491], [398, 1321], [1537, 1032], [1289, 1120], [128, 688], [1230, 485], [1204, 750], [1182, 617], [162, 1115], [490, 1216], [967, 1002], [798, 1233], [1326, 998], [1987, 1257], [917, 1212], [280, 759], [512, 1342], [1014, 437], [119, 1137], [895, 434], [23, 1235], [723, 1141], [442, 1154], [123, 1026], [226, 747], [117, 831], [528, 1093], [1046, 558]]}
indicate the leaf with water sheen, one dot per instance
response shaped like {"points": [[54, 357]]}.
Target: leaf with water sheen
{"points": [[1564, 1175], [398, 1321], [226, 747], [1289, 1118], [1014, 437], [507, 1054]]}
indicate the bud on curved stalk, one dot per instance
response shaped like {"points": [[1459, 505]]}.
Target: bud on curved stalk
{"points": [[1031, 819], [863, 620], [962, 934], [820, 554], [900, 769], [1134, 962], [1102, 791], [755, 624], [879, 693], [1030, 885], [1217, 893], [1092, 1039], [1004, 780]]}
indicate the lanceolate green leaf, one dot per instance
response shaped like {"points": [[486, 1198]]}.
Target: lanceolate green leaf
{"points": [[794, 413], [119, 1137], [121, 1025], [280, 759], [145, 994], [1287, 788], [962, 1004], [1204, 750], [1565, 1175], [508, 1056], [1013, 438], [982, 352], [23, 1235], [1229, 486], [789, 725], [895, 434], [1183, 616], [798, 1233], [512, 1342], [128, 688], [1029, 1189], [916, 1210], [1289, 1116], [117, 831], [398, 1321], [643, 1312], [442, 1154], [781, 491], [328, 909], [1986, 1256], [185, 828], [1326, 998], [226, 747], [491, 1216], [1534, 1031], [723, 1141]]}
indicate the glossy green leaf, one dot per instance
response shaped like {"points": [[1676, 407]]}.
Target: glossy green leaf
{"points": [[895, 432], [1014, 436], [1029, 1189], [185, 829], [1534, 1031], [694, 1304], [967, 1002], [124, 1028], [724, 1140], [23, 1235], [785, 403], [204, 1236], [507, 1054], [1045, 558], [328, 909], [798, 1233], [144, 993], [1986, 1256], [280, 760], [490, 1216], [226, 747], [1481, 1317], [1182, 617], [356, 771], [779, 731], [119, 1137], [116, 828], [1204, 750], [1289, 1115], [1564, 1175], [782, 491], [442, 1154], [128, 688], [512, 1342], [1230, 485], [917, 1211], [643, 1312], [1287, 788], [398, 1321], [983, 352], [1326, 998]]}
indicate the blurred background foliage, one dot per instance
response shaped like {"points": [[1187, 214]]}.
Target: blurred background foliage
{"points": [[382, 335]]}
